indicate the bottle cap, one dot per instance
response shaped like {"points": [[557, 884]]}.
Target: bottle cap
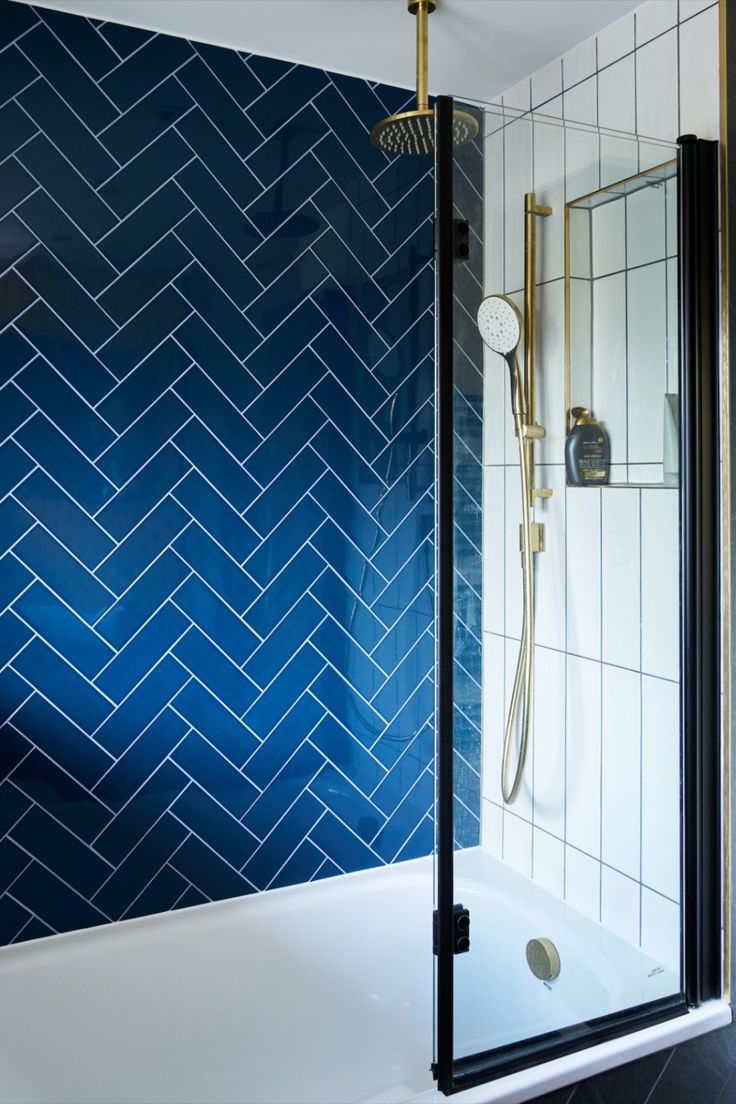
{"points": [[583, 416]]}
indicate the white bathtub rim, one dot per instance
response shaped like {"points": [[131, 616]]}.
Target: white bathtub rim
{"points": [[546, 1077]]}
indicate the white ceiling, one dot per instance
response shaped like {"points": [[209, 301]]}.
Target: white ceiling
{"points": [[478, 48]]}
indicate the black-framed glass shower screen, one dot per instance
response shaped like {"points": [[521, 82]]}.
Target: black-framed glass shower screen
{"points": [[587, 904]]}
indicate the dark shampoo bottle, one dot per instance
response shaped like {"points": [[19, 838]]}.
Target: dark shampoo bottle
{"points": [[587, 451]]}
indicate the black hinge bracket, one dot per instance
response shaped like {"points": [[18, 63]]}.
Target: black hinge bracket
{"points": [[460, 239], [460, 930]]}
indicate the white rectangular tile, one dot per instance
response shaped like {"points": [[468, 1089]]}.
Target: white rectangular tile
{"points": [[660, 591], [620, 905], [580, 103], [654, 18], [656, 88], [689, 8], [549, 566], [549, 186], [548, 863], [551, 110], [699, 68], [513, 574], [547, 83], [517, 843], [619, 158], [581, 228], [579, 63], [518, 181], [582, 883], [645, 226], [581, 338], [491, 827], [641, 475], [583, 755], [653, 153], [621, 769], [493, 209], [647, 361], [616, 40], [620, 582], [673, 329], [609, 238], [616, 100], [608, 393], [494, 715], [520, 96], [496, 406], [550, 371], [549, 741], [660, 929], [661, 772], [494, 549], [583, 573], [582, 162], [523, 805]]}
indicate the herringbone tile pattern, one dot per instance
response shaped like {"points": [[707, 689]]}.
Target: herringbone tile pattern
{"points": [[216, 431]]}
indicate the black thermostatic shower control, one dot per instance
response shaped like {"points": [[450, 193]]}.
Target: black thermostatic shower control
{"points": [[461, 240], [460, 930]]}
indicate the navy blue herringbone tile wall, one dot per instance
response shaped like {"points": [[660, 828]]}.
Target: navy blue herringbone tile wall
{"points": [[216, 432]]}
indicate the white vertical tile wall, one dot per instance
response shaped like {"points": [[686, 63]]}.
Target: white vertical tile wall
{"points": [[597, 820]]}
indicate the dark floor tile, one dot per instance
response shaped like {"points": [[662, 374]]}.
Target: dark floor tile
{"points": [[697, 1072], [628, 1084]]}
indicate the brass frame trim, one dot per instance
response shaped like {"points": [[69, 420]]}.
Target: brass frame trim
{"points": [[624, 180], [726, 512]]}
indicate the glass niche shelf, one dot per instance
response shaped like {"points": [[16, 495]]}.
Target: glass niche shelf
{"points": [[621, 322]]}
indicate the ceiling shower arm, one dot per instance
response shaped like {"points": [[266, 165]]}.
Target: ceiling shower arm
{"points": [[421, 9]]}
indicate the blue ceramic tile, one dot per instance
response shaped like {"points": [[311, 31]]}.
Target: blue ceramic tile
{"points": [[215, 254], [143, 438], [285, 491], [15, 129], [217, 516], [227, 630], [69, 79], [224, 576], [145, 331], [348, 610], [71, 525], [142, 705], [276, 106], [15, 352], [82, 40], [63, 574], [217, 412], [124, 40], [62, 741], [347, 803], [348, 465], [144, 69], [292, 434], [12, 859], [295, 138], [146, 172], [264, 716], [14, 635], [16, 72], [347, 513], [283, 740], [283, 841], [142, 598], [62, 348], [342, 409], [160, 895], [14, 464], [137, 763], [42, 892], [217, 207], [142, 652], [17, 19], [202, 866], [142, 229], [220, 157], [303, 864], [15, 240], [60, 683], [348, 368], [66, 297], [144, 491], [209, 663], [13, 807], [128, 400], [215, 774], [59, 625], [347, 560], [219, 107], [232, 73], [136, 871], [60, 851], [13, 579], [338, 745], [276, 650], [285, 343], [344, 848], [15, 184], [62, 127], [285, 541], [145, 122], [216, 723], [206, 350], [217, 310], [290, 781], [55, 790], [203, 449], [144, 279], [214, 826]]}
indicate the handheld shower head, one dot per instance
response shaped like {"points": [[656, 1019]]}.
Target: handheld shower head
{"points": [[500, 324]]}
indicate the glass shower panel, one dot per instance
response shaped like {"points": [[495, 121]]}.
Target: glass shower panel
{"points": [[572, 886]]}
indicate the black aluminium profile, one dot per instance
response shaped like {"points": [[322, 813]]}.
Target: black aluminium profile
{"points": [[699, 285], [444, 248]]}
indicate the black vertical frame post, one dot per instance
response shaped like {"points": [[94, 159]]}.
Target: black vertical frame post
{"points": [[700, 565], [445, 587]]}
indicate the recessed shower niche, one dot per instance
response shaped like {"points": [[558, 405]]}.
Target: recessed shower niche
{"points": [[621, 319]]}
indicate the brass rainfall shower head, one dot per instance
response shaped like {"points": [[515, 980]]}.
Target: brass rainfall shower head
{"points": [[413, 131]]}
